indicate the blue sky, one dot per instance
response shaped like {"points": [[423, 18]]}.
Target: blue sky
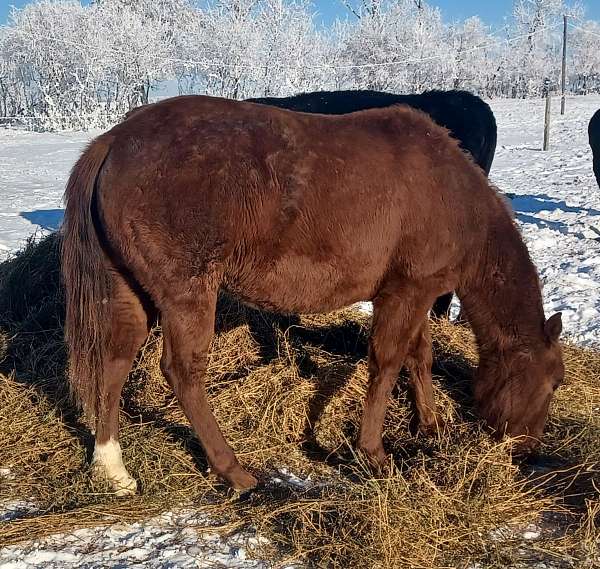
{"points": [[492, 12]]}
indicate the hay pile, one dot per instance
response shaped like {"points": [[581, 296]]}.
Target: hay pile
{"points": [[288, 394]]}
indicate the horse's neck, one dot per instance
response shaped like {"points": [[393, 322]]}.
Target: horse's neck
{"points": [[502, 297]]}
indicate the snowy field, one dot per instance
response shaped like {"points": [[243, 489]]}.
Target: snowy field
{"points": [[169, 541], [557, 203]]}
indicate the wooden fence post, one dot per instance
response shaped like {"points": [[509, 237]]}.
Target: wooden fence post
{"points": [[547, 121], [564, 66]]}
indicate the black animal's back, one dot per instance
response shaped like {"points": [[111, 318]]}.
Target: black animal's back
{"points": [[469, 119]]}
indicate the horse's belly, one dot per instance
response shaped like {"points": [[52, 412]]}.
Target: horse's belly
{"points": [[300, 285]]}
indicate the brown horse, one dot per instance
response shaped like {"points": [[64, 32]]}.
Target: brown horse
{"points": [[295, 213]]}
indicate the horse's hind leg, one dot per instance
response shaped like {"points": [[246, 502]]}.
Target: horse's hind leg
{"points": [[418, 361], [129, 329], [188, 327], [398, 314]]}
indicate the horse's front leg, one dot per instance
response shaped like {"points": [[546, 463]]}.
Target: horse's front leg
{"points": [[398, 313]]}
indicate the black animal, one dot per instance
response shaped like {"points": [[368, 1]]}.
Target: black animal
{"points": [[469, 119], [594, 134]]}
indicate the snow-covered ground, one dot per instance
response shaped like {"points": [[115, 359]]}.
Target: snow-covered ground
{"points": [[179, 539], [557, 203], [34, 168]]}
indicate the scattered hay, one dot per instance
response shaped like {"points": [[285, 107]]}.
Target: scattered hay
{"points": [[288, 393]]}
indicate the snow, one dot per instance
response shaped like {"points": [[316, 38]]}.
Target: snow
{"points": [[33, 170], [557, 204], [170, 540], [16, 509], [182, 538]]}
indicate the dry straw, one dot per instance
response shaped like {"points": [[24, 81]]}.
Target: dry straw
{"points": [[287, 393]]}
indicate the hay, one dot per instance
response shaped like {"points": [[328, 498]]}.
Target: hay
{"points": [[288, 393]]}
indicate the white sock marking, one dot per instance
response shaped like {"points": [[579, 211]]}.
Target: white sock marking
{"points": [[108, 458]]}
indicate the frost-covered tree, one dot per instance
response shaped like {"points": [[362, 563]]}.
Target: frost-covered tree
{"points": [[241, 48], [537, 45], [291, 51], [473, 55], [136, 39], [584, 58], [395, 44], [82, 66], [64, 65]]}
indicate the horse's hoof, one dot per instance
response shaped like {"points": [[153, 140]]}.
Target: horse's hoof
{"points": [[241, 480], [122, 484], [432, 427], [124, 488], [377, 458]]}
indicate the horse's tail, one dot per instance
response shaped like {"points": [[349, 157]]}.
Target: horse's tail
{"points": [[86, 281]]}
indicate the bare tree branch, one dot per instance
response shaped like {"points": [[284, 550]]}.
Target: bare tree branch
{"points": [[350, 8]]}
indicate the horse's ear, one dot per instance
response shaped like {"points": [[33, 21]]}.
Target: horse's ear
{"points": [[553, 327]]}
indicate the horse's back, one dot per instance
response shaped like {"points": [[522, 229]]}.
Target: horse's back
{"points": [[333, 102]]}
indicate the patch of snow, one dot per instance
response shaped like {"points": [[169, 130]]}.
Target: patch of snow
{"points": [[290, 480], [365, 307], [533, 534], [15, 510], [34, 168], [557, 203]]}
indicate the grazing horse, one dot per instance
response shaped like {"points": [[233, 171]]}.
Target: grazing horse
{"points": [[594, 135], [295, 213], [469, 119]]}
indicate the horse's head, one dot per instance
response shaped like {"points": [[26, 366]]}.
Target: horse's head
{"points": [[514, 386]]}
